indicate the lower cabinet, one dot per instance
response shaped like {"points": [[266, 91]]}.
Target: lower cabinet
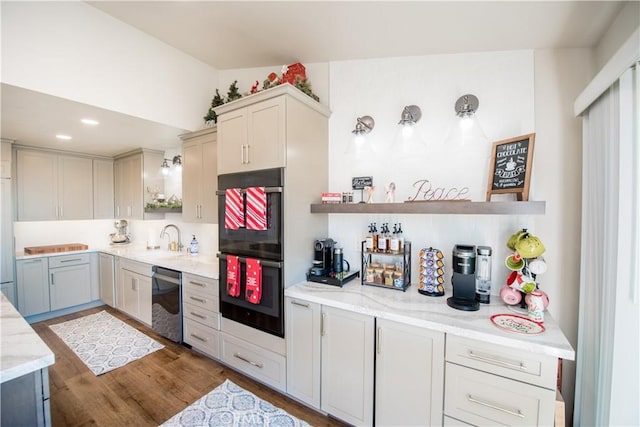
{"points": [[200, 314], [409, 375], [33, 286], [26, 400], [70, 280], [106, 265], [134, 290]]}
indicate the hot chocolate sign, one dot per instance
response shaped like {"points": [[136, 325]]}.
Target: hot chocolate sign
{"points": [[510, 171]]}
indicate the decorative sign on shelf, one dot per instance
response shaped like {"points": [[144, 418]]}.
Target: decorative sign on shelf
{"points": [[510, 170], [427, 192], [359, 182]]}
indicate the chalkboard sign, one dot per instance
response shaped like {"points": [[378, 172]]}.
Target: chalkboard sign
{"points": [[510, 169], [359, 182]]}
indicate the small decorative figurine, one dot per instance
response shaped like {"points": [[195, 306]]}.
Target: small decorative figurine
{"points": [[390, 189], [369, 190]]}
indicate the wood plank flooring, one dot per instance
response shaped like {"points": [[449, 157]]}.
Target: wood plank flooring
{"points": [[148, 391]]}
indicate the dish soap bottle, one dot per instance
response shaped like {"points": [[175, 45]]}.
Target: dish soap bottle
{"points": [[194, 246]]}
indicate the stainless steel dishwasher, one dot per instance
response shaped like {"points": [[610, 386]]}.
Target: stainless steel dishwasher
{"points": [[166, 303]]}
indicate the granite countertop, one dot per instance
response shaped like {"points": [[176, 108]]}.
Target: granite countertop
{"points": [[202, 264], [23, 351], [413, 308]]}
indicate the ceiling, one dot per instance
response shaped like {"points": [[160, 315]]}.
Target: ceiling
{"points": [[243, 34]]}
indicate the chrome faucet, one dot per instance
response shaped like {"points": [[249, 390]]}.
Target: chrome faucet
{"points": [[164, 231]]}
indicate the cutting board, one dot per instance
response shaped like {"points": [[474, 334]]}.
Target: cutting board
{"points": [[65, 247]]}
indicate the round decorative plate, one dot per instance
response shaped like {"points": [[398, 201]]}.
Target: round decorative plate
{"points": [[518, 324]]}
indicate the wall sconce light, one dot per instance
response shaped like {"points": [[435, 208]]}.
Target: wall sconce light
{"points": [[411, 114], [465, 131], [177, 163], [364, 125], [164, 167], [465, 108]]}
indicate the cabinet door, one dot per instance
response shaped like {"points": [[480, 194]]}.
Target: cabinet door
{"points": [[103, 189], [266, 142], [107, 283], [409, 375], [303, 350], [121, 189], [209, 181], [33, 286], [192, 181], [347, 365], [136, 187], [37, 184], [232, 140], [70, 286], [75, 188], [130, 286]]}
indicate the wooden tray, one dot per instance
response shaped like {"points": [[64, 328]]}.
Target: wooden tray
{"points": [[66, 247]]}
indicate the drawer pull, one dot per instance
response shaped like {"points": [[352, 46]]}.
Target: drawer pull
{"points": [[199, 338], [202, 285], [244, 359], [299, 304], [203, 301], [198, 315], [323, 318], [512, 365], [516, 413], [71, 260]]}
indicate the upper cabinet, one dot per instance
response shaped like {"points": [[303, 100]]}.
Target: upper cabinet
{"points": [[137, 174], [103, 189], [53, 186], [253, 132], [199, 176]]}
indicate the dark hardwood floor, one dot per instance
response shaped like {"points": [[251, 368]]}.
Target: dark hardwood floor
{"points": [[146, 392]]}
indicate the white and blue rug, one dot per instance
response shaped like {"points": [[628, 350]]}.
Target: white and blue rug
{"points": [[231, 405], [104, 342]]}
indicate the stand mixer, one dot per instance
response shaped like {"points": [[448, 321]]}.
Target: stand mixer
{"points": [[121, 236]]}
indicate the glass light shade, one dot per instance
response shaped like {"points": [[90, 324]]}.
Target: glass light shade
{"points": [[466, 132]]}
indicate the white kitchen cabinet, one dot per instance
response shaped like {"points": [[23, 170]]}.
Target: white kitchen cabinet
{"points": [[33, 286], [347, 365], [303, 323], [134, 290], [201, 314], [26, 400], [69, 281], [200, 176], [136, 176], [409, 375], [107, 279], [103, 189], [53, 186]]}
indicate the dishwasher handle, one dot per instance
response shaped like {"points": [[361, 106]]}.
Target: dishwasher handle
{"points": [[165, 278]]}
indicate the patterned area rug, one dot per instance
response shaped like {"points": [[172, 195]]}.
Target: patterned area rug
{"points": [[104, 342], [231, 405]]}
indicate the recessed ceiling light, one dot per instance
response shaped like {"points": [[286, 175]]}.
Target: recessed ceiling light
{"points": [[90, 122], [65, 137]]}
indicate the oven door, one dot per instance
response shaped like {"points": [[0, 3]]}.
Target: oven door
{"points": [[266, 316], [263, 244]]}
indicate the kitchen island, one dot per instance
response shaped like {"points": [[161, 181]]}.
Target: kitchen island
{"points": [[24, 363]]}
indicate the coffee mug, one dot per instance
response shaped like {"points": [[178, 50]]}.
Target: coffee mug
{"points": [[510, 296]]}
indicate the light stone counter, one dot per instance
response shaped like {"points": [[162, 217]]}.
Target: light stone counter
{"points": [[201, 264], [413, 308], [23, 351]]}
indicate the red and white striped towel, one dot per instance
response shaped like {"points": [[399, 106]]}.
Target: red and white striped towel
{"points": [[233, 209], [256, 210]]}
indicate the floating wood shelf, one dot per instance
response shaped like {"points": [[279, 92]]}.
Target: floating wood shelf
{"points": [[449, 207], [163, 210]]}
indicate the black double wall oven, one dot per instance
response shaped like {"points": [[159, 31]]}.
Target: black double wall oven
{"points": [[250, 233]]}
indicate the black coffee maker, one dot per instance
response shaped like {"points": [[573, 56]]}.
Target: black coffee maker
{"points": [[464, 279], [323, 257]]}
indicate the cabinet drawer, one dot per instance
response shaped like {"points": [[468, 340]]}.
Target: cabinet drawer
{"points": [[198, 314], [67, 260], [136, 267], [484, 399], [452, 422], [202, 300], [261, 364], [200, 284], [511, 363], [201, 337]]}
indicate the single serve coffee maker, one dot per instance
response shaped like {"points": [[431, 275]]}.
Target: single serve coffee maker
{"points": [[329, 264], [464, 279], [322, 257]]}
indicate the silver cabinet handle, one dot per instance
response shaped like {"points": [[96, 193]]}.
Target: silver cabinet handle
{"points": [[198, 315], [248, 155], [52, 281], [203, 301], [323, 318], [199, 338], [378, 339], [294, 302], [242, 154], [71, 260], [489, 359], [61, 214], [244, 359], [516, 412], [202, 285]]}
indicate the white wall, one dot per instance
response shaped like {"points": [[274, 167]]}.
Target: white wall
{"points": [[75, 51], [560, 76]]}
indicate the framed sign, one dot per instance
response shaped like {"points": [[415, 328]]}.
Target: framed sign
{"points": [[510, 166], [359, 182]]}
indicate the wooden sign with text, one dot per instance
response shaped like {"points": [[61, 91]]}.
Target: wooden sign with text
{"points": [[510, 168]]}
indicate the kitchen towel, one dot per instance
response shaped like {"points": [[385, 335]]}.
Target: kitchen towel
{"points": [[253, 285], [233, 284], [233, 209], [256, 214]]}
